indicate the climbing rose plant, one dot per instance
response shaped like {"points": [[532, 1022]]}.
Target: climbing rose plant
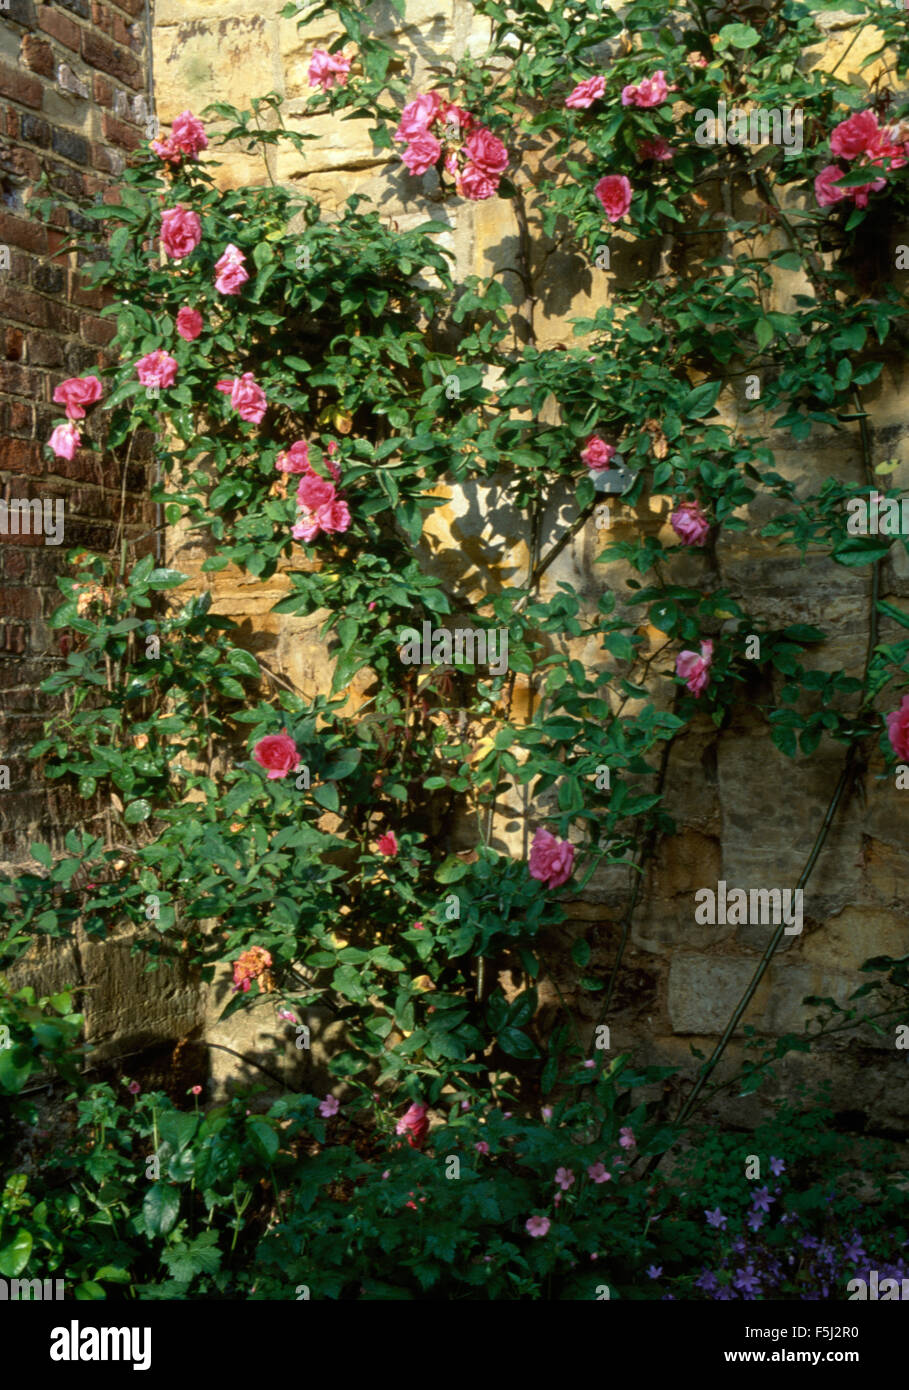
{"points": [[308, 413]]}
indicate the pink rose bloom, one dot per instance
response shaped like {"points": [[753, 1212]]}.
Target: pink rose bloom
{"points": [[230, 273], [305, 529], [181, 232], [551, 860], [157, 369], [596, 453], [341, 68], [825, 189], [414, 1123], [482, 1147], [326, 69], [167, 150], [689, 523], [626, 1138], [422, 153], [295, 459], [246, 396], [278, 754], [249, 966], [451, 164], [862, 194], [651, 92], [697, 60], [586, 93], [65, 440], [486, 151], [474, 183], [614, 192], [387, 844], [658, 149], [417, 116], [331, 516], [189, 323], [858, 135], [321, 73], [564, 1178], [329, 1106], [134, 1088], [454, 116], [314, 492], [187, 133], [597, 1173], [693, 669], [898, 729], [891, 145], [75, 393], [537, 1226]]}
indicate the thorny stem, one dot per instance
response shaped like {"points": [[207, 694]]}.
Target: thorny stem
{"points": [[897, 1011], [220, 1047], [554, 552], [774, 942]]}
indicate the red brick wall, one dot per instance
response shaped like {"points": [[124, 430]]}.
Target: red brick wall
{"points": [[73, 103]]}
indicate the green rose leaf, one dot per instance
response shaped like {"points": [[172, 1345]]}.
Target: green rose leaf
{"points": [[516, 1043], [160, 1208], [14, 1255], [738, 36]]}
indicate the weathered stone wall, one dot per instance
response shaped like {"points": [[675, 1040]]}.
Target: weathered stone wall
{"points": [[73, 99]]}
